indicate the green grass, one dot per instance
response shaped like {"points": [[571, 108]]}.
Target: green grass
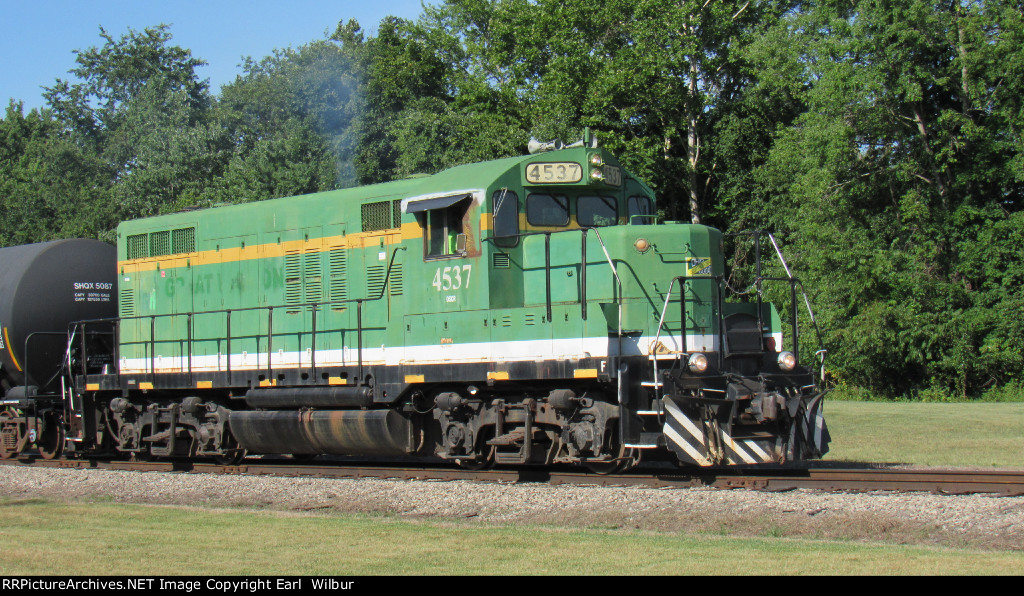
{"points": [[101, 539], [932, 434], [1010, 392]]}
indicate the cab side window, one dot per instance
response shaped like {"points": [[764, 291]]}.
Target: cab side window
{"points": [[443, 229], [443, 222], [506, 218]]}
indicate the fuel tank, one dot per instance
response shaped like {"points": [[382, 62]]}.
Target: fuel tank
{"points": [[43, 288], [334, 432]]}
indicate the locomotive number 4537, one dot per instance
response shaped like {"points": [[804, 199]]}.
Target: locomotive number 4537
{"points": [[452, 278]]}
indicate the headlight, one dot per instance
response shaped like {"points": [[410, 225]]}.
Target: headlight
{"points": [[697, 363], [787, 361], [596, 160], [596, 175]]}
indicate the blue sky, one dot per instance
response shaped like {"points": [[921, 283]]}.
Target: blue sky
{"points": [[37, 37]]}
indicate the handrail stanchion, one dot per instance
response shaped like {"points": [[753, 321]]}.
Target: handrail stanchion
{"points": [[547, 272], [760, 288], [117, 349], [270, 341], [583, 275], [191, 381], [359, 337], [84, 357], [228, 349], [312, 351], [793, 314], [152, 349]]}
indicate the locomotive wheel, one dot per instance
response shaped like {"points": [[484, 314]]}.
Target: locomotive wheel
{"points": [[12, 434], [231, 457], [625, 459], [604, 468], [51, 442], [622, 464], [143, 454], [231, 453], [484, 462]]}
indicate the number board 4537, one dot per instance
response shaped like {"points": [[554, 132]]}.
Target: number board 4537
{"points": [[566, 172]]}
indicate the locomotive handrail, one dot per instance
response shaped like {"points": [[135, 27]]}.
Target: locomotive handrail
{"points": [[723, 350], [793, 281], [313, 306], [720, 279], [583, 274], [28, 354], [618, 301], [583, 263]]}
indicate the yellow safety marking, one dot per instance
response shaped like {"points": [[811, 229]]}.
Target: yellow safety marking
{"points": [[204, 384], [92, 386], [275, 249], [10, 350], [698, 266], [145, 385], [411, 231], [585, 373], [268, 383], [337, 381], [498, 376], [415, 379]]}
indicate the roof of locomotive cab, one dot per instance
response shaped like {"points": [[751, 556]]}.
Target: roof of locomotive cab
{"points": [[456, 178]]}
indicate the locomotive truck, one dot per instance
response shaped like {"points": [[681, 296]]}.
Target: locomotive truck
{"points": [[528, 310]]}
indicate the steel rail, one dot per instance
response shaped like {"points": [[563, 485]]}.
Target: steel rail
{"points": [[953, 482]]}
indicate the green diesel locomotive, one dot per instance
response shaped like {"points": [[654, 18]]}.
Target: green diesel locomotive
{"points": [[523, 310]]}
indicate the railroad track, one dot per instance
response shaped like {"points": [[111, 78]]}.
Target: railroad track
{"points": [[853, 478]]}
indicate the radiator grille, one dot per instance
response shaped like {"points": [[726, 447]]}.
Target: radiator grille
{"points": [[383, 215], [138, 246], [159, 244], [183, 240]]}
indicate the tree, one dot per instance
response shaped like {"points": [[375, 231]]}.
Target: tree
{"points": [[138, 106], [661, 81], [904, 163], [305, 100], [48, 186], [419, 116]]}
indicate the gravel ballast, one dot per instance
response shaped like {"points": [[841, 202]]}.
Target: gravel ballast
{"points": [[977, 521]]}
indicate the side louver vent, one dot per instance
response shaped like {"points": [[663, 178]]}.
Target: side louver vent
{"points": [[375, 280], [127, 302], [293, 281], [338, 284], [395, 283]]}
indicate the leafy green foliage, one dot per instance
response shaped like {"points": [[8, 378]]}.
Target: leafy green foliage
{"points": [[49, 186], [898, 187], [880, 141]]}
